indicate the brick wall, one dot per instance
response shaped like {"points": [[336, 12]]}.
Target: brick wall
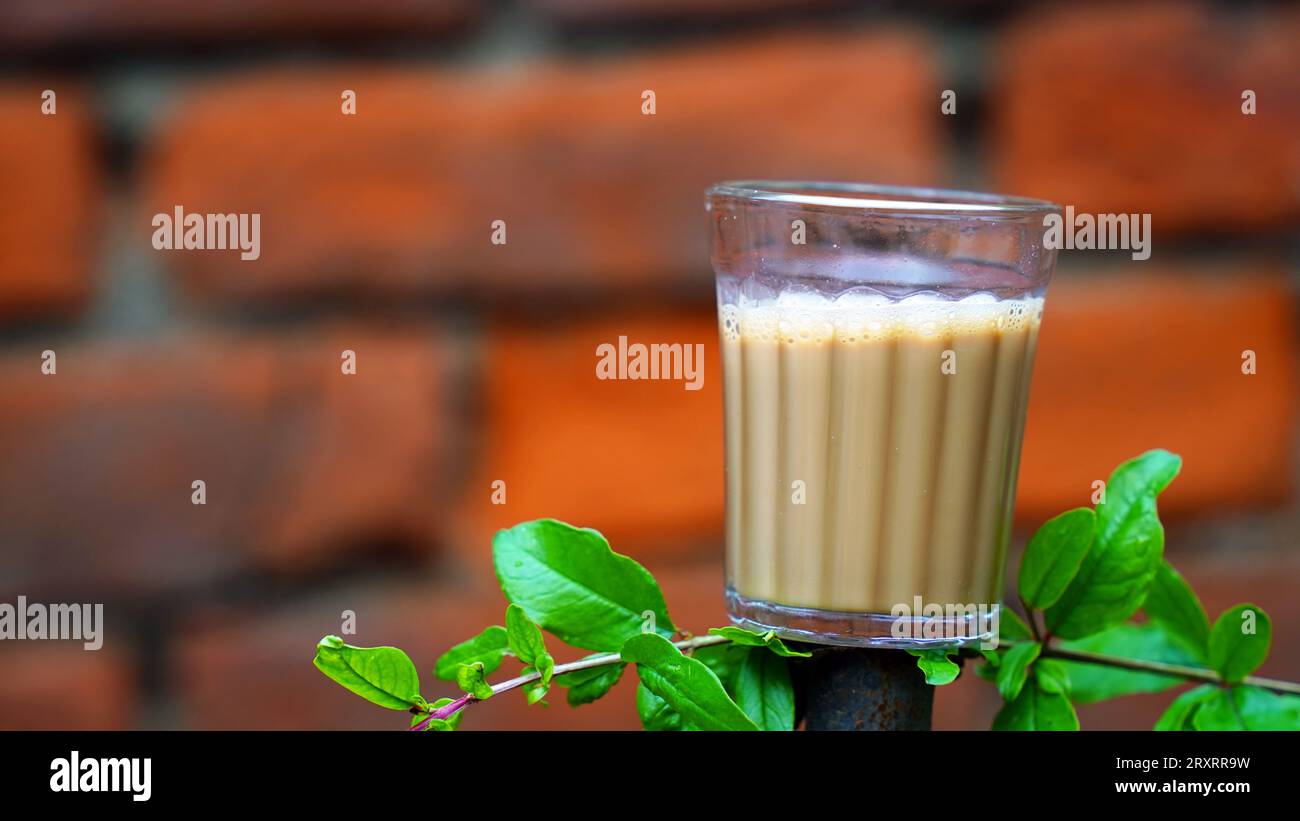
{"points": [[371, 492]]}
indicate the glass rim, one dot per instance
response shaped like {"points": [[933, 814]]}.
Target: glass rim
{"points": [[879, 198]]}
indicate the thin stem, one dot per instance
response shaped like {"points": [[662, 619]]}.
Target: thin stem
{"points": [[1162, 667], [600, 660], [1033, 621]]}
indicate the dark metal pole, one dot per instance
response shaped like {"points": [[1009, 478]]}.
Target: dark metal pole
{"points": [[852, 689]]}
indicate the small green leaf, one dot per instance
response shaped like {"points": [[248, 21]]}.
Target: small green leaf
{"points": [[489, 647], [688, 686], [439, 724], [1035, 709], [526, 642], [1265, 710], [383, 675], [655, 714], [1052, 676], [546, 666], [1010, 626], [1247, 708], [1239, 641], [764, 692], [1260, 709], [586, 686], [1127, 549], [749, 638], [469, 677], [568, 580], [1171, 603], [1014, 669], [1147, 642], [937, 667], [1053, 556], [535, 691], [1180, 712], [1218, 713]]}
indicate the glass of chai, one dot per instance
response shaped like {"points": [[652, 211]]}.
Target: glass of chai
{"points": [[877, 345]]}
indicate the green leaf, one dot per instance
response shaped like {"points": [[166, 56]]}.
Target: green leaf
{"points": [[1239, 641], [1126, 552], [749, 638], [937, 667], [1247, 708], [586, 686], [1171, 603], [439, 724], [383, 675], [1010, 626], [469, 677], [1146, 642], [1036, 709], [1052, 676], [535, 691], [524, 637], [568, 580], [1260, 709], [764, 692], [655, 713], [1265, 710], [1180, 712], [688, 685], [546, 666], [724, 660], [489, 647], [527, 643], [1014, 669], [1053, 556]]}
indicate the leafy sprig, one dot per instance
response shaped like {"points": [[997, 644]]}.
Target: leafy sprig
{"points": [[568, 582], [1084, 575]]}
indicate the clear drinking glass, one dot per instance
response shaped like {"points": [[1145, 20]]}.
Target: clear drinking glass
{"points": [[877, 345]]}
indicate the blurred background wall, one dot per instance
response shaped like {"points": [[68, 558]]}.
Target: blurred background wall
{"points": [[475, 363]]}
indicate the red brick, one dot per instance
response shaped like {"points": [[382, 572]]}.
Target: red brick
{"points": [[641, 461], [61, 686], [1129, 361], [253, 670], [50, 201], [400, 198], [302, 463], [32, 24], [1137, 108]]}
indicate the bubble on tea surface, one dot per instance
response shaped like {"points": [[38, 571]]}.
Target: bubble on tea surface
{"points": [[730, 319]]}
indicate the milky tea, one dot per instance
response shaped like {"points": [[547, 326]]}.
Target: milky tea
{"points": [[872, 446]]}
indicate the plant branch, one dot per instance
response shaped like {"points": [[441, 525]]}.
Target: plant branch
{"points": [[1032, 619], [1189, 672], [600, 660]]}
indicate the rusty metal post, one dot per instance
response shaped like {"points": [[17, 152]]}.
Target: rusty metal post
{"points": [[852, 689]]}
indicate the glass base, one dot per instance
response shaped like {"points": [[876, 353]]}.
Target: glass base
{"points": [[865, 629]]}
